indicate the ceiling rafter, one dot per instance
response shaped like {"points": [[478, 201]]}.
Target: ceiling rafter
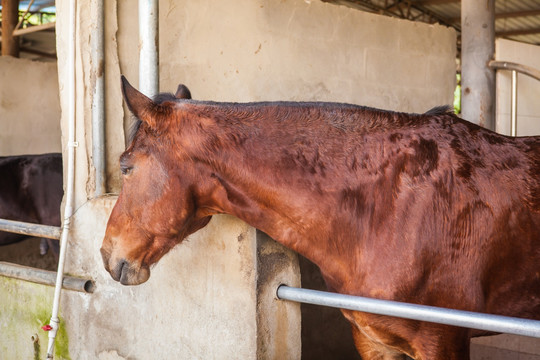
{"points": [[435, 2], [516, 32], [507, 15]]}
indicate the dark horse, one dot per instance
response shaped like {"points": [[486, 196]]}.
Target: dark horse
{"points": [[31, 190], [419, 208]]}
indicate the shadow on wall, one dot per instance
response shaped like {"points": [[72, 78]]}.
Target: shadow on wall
{"points": [[325, 332]]}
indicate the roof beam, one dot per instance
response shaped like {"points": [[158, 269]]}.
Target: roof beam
{"points": [[518, 14], [433, 2], [518, 32], [506, 15]]}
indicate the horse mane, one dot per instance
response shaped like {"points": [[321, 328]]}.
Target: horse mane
{"points": [[341, 116], [440, 110]]}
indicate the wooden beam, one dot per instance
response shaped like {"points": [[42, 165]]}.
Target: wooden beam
{"points": [[10, 17], [518, 14], [433, 2], [519, 32]]}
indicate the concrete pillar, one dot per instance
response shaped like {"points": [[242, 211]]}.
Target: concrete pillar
{"points": [[10, 17], [477, 49]]}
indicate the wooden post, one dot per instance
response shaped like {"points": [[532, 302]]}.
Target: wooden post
{"points": [[10, 17]]}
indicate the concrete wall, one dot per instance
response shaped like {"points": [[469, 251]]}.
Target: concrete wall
{"points": [[528, 109], [29, 107], [213, 296]]}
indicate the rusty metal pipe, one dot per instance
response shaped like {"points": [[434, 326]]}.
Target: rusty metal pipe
{"points": [[45, 277]]}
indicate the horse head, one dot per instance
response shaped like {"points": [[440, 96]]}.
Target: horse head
{"points": [[158, 204]]}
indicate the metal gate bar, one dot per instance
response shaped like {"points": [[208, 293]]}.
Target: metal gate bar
{"points": [[19, 227], [35, 275], [488, 322], [44, 277]]}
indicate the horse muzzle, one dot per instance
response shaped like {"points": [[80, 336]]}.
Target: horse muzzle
{"points": [[123, 271]]}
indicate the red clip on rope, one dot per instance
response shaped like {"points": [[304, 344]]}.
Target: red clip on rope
{"points": [[47, 327]]}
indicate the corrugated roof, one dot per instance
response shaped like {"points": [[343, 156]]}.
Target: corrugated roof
{"points": [[514, 19]]}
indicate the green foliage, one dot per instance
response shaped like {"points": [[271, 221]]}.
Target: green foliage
{"points": [[457, 95]]}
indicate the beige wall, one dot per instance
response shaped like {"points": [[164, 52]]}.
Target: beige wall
{"points": [[528, 109], [204, 300], [29, 107]]}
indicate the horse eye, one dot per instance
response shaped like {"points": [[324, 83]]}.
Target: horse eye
{"points": [[126, 170]]}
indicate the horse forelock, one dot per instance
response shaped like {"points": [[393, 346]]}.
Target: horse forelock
{"points": [[133, 129]]}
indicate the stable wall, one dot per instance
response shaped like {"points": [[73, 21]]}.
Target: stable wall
{"points": [[213, 297], [528, 108], [29, 107]]}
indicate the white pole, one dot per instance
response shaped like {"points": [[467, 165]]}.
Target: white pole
{"points": [[98, 99], [149, 49], [68, 211], [513, 107]]}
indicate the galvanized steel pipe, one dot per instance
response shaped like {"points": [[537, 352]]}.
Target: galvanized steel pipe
{"points": [[513, 107], [24, 228], [523, 69], [98, 98], [148, 45], [515, 68], [44, 277], [433, 314]]}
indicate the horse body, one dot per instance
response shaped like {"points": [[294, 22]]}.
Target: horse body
{"points": [[421, 208], [31, 191]]}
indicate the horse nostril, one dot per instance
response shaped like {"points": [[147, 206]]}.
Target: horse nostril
{"points": [[119, 269]]}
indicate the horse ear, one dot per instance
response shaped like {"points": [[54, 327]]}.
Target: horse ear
{"points": [[139, 104], [182, 92]]}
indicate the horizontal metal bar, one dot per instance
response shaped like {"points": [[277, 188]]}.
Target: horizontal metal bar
{"points": [[488, 322], [45, 277], [32, 29], [19, 227], [524, 69]]}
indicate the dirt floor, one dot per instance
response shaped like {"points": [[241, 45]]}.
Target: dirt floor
{"points": [[26, 253]]}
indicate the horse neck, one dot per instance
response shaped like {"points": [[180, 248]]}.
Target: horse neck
{"points": [[267, 179]]}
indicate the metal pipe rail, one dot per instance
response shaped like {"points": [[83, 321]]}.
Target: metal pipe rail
{"points": [[24, 228], [515, 68], [468, 319], [45, 277], [524, 69]]}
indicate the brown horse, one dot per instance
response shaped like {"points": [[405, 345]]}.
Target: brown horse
{"points": [[419, 208]]}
